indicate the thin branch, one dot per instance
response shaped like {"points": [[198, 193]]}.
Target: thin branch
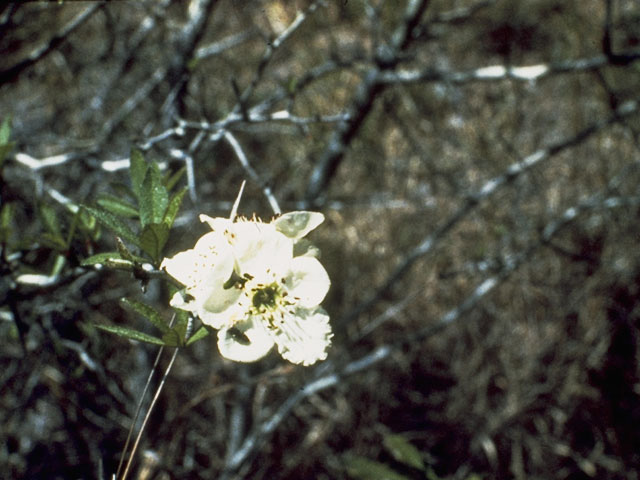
{"points": [[48, 47], [473, 200], [496, 72], [370, 88], [329, 374], [244, 161]]}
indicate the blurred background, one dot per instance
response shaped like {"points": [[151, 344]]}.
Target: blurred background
{"points": [[477, 164]]}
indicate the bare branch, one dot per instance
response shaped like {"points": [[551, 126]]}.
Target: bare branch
{"points": [[251, 172], [48, 47]]}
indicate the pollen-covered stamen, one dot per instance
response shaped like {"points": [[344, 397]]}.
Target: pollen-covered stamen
{"points": [[269, 302]]}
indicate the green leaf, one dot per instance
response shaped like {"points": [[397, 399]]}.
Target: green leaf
{"points": [[109, 259], [403, 451], [153, 239], [174, 207], [170, 180], [172, 339], [182, 324], [137, 171], [5, 144], [114, 223], [5, 131], [117, 206], [51, 222], [365, 469], [198, 335], [6, 216], [154, 197], [132, 334], [147, 312]]}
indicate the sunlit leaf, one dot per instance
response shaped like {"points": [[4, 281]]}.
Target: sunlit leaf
{"points": [[174, 207], [153, 197], [403, 451], [117, 206], [109, 259], [137, 171], [153, 239], [113, 223], [131, 334], [147, 312]]}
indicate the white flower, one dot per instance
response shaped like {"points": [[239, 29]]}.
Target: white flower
{"points": [[243, 279]]}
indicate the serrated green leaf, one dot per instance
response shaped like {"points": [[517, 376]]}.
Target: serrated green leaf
{"points": [[117, 206], [198, 335], [147, 312], [170, 180], [113, 223], [153, 239], [137, 171], [153, 197], [403, 451], [174, 207], [365, 469], [132, 334]]}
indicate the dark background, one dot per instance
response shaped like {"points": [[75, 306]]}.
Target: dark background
{"points": [[481, 232]]}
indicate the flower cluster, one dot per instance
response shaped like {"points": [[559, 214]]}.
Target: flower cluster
{"points": [[259, 284]]}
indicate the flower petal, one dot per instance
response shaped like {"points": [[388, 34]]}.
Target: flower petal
{"points": [[246, 341], [297, 224], [259, 248], [305, 336], [307, 281]]}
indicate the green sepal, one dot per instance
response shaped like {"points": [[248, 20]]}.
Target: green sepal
{"points": [[137, 171], [149, 313], [153, 238], [181, 325], [113, 223], [174, 207], [153, 198], [403, 451], [131, 334], [199, 334], [117, 206], [172, 339]]}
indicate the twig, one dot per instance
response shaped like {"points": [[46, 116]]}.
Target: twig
{"points": [[228, 136], [148, 414], [48, 47], [488, 189], [367, 92]]}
